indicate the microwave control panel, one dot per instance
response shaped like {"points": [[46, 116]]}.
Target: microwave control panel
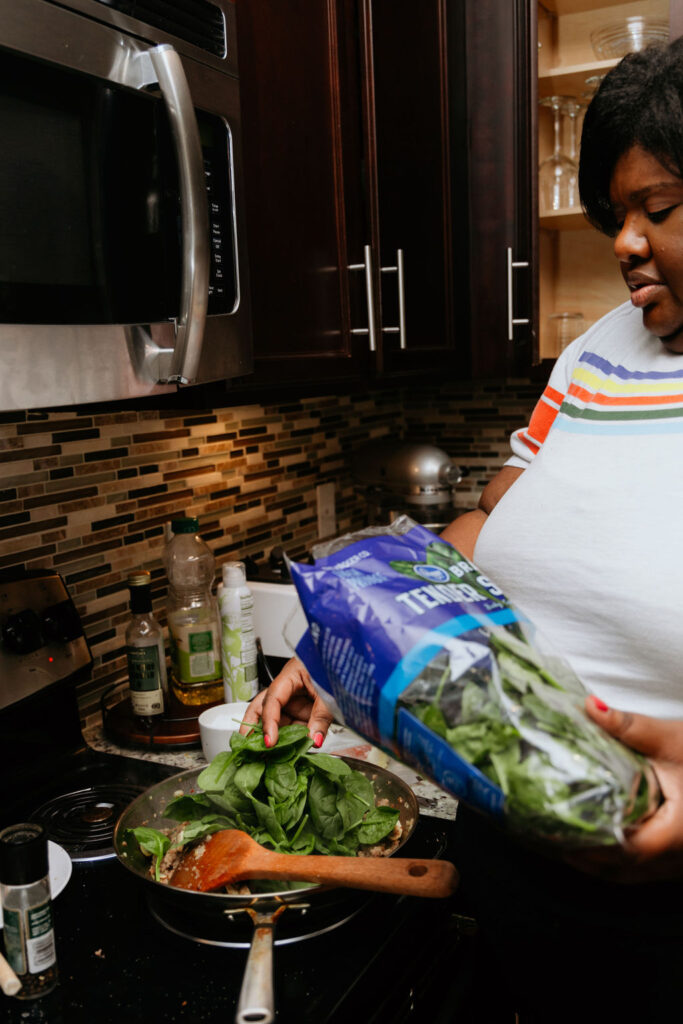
{"points": [[217, 152]]}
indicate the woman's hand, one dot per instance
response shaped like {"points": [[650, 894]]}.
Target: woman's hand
{"points": [[291, 697], [654, 849]]}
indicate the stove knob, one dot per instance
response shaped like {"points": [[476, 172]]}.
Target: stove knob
{"points": [[22, 632], [61, 623]]}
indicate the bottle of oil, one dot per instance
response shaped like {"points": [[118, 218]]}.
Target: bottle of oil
{"points": [[145, 651], [193, 619]]}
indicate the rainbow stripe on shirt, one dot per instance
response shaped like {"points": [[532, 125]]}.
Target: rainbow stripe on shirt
{"points": [[604, 398]]}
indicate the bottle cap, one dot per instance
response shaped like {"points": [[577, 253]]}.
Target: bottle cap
{"points": [[140, 586], [142, 578], [23, 854], [189, 524], [234, 574]]}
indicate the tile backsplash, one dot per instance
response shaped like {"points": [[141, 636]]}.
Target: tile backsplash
{"points": [[88, 491]]}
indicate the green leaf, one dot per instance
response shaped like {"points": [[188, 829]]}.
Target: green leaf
{"points": [[351, 809], [433, 717], [248, 776], [332, 766], [152, 843], [280, 780], [359, 784], [206, 827], [268, 820], [378, 823], [212, 778], [187, 808], [322, 801]]}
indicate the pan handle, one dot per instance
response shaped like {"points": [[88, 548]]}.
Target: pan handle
{"points": [[257, 1002]]}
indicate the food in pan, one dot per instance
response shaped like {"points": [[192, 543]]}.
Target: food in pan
{"points": [[285, 797]]}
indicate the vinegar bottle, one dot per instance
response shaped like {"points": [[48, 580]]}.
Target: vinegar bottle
{"points": [[193, 620], [145, 652]]}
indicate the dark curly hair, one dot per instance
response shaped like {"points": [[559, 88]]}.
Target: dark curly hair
{"points": [[639, 103]]}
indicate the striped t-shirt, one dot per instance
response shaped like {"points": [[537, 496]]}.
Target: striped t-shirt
{"points": [[589, 540]]}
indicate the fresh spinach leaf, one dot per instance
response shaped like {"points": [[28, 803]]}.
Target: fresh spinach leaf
{"points": [[153, 844], [377, 825], [188, 808]]}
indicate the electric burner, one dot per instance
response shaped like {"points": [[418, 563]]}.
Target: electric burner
{"points": [[219, 932], [83, 821]]}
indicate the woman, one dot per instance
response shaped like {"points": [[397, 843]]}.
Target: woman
{"points": [[581, 529]]}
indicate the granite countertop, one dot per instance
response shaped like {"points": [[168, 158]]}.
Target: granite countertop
{"points": [[340, 740]]}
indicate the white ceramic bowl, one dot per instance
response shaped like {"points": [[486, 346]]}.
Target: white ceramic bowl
{"points": [[216, 726]]}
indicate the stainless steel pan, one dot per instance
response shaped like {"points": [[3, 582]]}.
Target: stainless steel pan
{"points": [[256, 1002]]}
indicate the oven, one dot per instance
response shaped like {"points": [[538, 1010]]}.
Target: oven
{"points": [[362, 957], [123, 268]]}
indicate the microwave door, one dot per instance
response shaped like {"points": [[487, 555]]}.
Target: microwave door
{"points": [[106, 262]]}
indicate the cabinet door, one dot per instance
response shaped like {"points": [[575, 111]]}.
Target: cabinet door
{"points": [[297, 181], [412, 71], [501, 116]]}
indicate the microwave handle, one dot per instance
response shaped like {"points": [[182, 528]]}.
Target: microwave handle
{"points": [[194, 296]]}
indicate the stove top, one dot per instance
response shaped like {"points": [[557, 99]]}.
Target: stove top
{"points": [[392, 959], [80, 804]]}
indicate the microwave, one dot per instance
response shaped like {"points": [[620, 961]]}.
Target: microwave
{"points": [[123, 264]]}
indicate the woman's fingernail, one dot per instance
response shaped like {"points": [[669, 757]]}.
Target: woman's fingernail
{"points": [[600, 704], [267, 740], [318, 739]]}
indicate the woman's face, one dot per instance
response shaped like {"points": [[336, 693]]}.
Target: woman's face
{"points": [[647, 200]]}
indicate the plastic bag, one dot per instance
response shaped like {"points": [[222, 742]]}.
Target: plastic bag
{"points": [[425, 656]]}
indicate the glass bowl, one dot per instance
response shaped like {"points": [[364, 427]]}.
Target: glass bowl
{"points": [[616, 40]]}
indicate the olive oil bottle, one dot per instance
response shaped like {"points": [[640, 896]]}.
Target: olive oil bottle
{"points": [[193, 618]]}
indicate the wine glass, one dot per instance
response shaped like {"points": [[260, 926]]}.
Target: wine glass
{"points": [[556, 174], [572, 108]]}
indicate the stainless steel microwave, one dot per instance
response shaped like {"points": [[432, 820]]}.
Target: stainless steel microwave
{"points": [[123, 267]]}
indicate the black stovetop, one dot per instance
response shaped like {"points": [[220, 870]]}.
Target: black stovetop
{"points": [[393, 961]]}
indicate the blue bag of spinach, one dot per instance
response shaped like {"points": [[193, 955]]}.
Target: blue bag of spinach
{"points": [[425, 656]]}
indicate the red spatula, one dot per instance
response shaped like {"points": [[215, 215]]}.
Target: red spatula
{"points": [[233, 856]]}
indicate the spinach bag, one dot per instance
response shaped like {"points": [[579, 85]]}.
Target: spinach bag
{"points": [[425, 656]]}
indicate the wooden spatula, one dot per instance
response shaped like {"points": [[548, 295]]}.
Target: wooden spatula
{"points": [[233, 856]]}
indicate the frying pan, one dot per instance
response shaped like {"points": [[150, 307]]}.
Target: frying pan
{"points": [[256, 1002]]}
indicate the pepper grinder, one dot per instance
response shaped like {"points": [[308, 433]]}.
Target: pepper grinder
{"points": [[27, 908]]}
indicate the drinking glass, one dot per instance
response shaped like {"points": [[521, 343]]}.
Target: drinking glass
{"points": [[557, 174], [571, 109], [564, 327]]}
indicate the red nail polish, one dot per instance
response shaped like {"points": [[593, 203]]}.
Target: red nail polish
{"points": [[267, 740], [318, 739], [600, 704]]}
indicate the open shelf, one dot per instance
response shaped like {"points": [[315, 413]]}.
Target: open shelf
{"points": [[564, 220], [577, 268], [571, 80]]}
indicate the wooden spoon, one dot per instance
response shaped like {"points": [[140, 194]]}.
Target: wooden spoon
{"points": [[233, 856]]}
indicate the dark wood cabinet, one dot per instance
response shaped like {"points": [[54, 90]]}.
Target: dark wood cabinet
{"points": [[412, 88], [299, 170], [503, 222], [354, 137]]}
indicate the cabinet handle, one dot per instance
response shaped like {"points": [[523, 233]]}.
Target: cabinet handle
{"points": [[370, 293], [400, 282], [512, 320]]}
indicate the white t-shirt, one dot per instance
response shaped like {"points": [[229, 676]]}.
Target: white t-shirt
{"points": [[588, 542]]}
